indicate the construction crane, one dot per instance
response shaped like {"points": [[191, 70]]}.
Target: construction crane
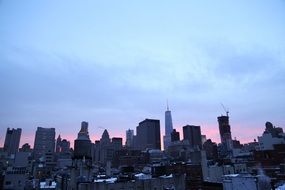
{"points": [[225, 109]]}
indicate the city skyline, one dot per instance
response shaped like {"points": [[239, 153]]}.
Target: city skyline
{"points": [[114, 65]]}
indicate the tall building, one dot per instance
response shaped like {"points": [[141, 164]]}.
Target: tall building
{"points": [[44, 141], [130, 138], [148, 134], [225, 131], [192, 133], [12, 140], [82, 145], [106, 148], [168, 128]]}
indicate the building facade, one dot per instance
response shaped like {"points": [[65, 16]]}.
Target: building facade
{"points": [[44, 141]]}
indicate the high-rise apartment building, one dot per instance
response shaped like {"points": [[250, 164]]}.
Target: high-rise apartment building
{"points": [[44, 141], [12, 140], [148, 134]]}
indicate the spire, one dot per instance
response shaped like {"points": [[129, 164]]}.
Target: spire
{"points": [[167, 104]]}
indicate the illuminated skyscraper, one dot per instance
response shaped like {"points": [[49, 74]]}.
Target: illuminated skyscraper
{"points": [[168, 128]]}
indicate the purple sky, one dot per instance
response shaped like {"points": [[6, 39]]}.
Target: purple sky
{"points": [[115, 63]]}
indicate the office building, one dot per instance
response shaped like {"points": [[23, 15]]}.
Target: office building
{"points": [[192, 133], [148, 134], [12, 140], [44, 141], [168, 128]]}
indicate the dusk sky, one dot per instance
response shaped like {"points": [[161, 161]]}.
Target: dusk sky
{"points": [[115, 63]]}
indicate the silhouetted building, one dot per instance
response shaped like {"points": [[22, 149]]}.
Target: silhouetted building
{"points": [[168, 128], [82, 145], [225, 131], [62, 145], [106, 150], [148, 134], [211, 150], [117, 143], [129, 138], [192, 133], [58, 142], [12, 140], [44, 141], [26, 148], [175, 136], [274, 131]]}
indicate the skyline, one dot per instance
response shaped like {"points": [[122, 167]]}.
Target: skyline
{"points": [[114, 65]]}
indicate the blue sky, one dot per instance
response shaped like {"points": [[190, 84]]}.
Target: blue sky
{"points": [[114, 63]]}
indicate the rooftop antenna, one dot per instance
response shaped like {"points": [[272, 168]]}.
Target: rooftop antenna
{"points": [[225, 109]]}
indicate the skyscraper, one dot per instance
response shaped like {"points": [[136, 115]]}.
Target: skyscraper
{"points": [[44, 141], [225, 131], [82, 145], [192, 133], [12, 140], [148, 134], [130, 138], [168, 128]]}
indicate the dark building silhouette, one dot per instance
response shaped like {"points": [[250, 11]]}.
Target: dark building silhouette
{"points": [[192, 133], [225, 131], [129, 138], [148, 134], [211, 150], [58, 143], [44, 141], [62, 145], [175, 136], [12, 140], [82, 145], [274, 131], [117, 143], [26, 148]]}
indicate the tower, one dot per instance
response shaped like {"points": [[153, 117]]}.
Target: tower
{"points": [[168, 128], [82, 145]]}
